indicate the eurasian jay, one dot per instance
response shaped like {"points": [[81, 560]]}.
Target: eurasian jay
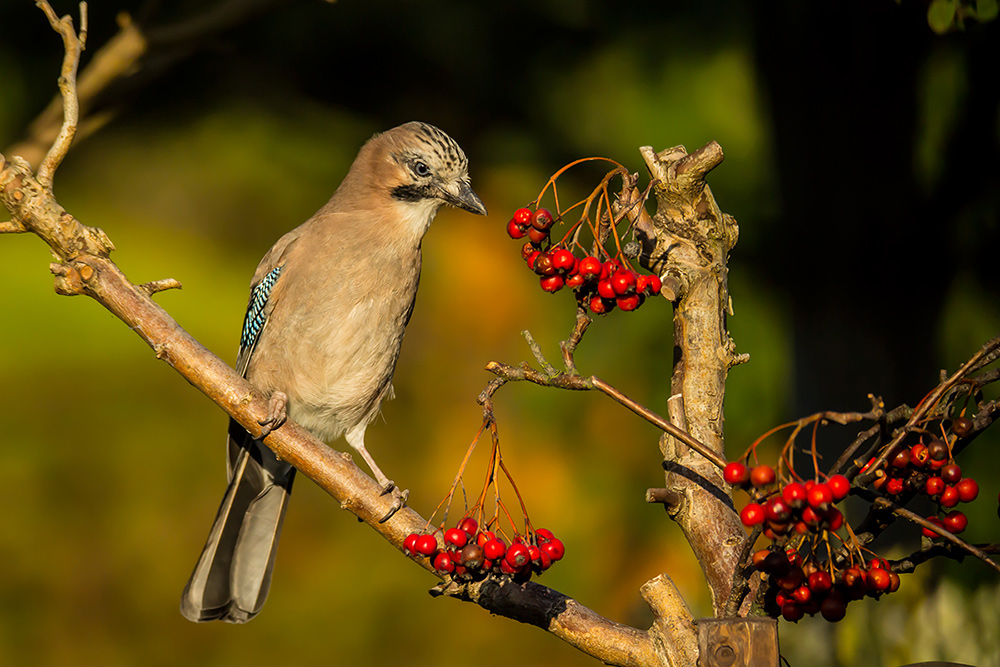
{"points": [[328, 306]]}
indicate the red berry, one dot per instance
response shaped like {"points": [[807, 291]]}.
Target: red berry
{"points": [[955, 521], [938, 450], [605, 290], [762, 476], [554, 549], [544, 535], [934, 486], [777, 510], [819, 496], [543, 265], [552, 284], [608, 268], [522, 216], [537, 235], [541, 219], [575, 281], [426, 544], [736, 473], [833, 608], [893, 582], [839, 486], [623, 282], [494, 548], [968, 489], [949, 497], [642, 284], [472, 556], [484, 537], [894, 486], [590, 268], [878, 564], [927, 532], [901, 459], [518, 555], [469, 525], [951, 473], [456, 537], [810, 517], [410, 543], [820, 582], [791, 611], [630, 302], [655, 285], [444, 563], [563, 260], [802, 594], [878, 580], [961, 426], [601, 306], [752, 515], [919, 455], [794, 494], [516, 231]]}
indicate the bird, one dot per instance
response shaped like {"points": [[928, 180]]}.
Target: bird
{"points": [[328, 306]]}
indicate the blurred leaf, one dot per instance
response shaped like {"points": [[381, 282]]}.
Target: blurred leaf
{"points": [[941, 15], [985, 10]]}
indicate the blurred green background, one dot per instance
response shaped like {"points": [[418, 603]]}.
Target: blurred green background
{"points": [[861, 163]]}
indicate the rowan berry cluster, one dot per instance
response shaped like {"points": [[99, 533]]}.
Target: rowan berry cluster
{"points": [[800, 518], [801, 585], [599, 286], [928, 468], [471, 553]]}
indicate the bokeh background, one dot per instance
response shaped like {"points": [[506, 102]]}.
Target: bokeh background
{"points": [[861, 163]]}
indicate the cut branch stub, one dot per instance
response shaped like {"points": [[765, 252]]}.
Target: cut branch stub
{"points": [[687, 213]]}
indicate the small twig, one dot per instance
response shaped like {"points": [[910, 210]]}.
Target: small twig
{"points": [[74, 45], [658, 421], [569, 346], [536, 350], [12, 227], [909, 563], [155, 286]]}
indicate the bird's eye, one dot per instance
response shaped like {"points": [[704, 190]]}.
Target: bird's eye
{"points": [[421, 169]]}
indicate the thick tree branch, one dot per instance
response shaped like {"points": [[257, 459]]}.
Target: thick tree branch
{"points": [[691, 243]]}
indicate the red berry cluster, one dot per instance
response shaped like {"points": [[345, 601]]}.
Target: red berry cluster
{"points": [[795, 508], [805, 586], [798, 517], [600, 286], [472, 553], [928, 468]]}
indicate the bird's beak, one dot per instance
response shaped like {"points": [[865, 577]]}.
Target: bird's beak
{"points": [[461, 196]]}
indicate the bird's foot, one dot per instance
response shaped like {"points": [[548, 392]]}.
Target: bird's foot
{"points": [[277, 413], [399, 497]]}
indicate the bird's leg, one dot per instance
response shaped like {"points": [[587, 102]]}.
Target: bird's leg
{"points": [[356, 439], [277, 413]]}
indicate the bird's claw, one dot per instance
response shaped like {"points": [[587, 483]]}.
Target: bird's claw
{"points": [[399, 497], [276, 414]]}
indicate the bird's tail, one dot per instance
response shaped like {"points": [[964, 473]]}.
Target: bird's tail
{"points": [[231, 579]]}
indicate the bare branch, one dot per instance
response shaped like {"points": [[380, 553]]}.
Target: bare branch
{"points": [[73, 45]]}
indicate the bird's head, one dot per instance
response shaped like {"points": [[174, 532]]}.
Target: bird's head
{"points": [[417, 164]]}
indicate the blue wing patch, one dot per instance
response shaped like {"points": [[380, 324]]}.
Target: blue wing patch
{"points": [[253, 323]]}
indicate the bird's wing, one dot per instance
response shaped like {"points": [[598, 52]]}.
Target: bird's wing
{"points": [[261, 301]]}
